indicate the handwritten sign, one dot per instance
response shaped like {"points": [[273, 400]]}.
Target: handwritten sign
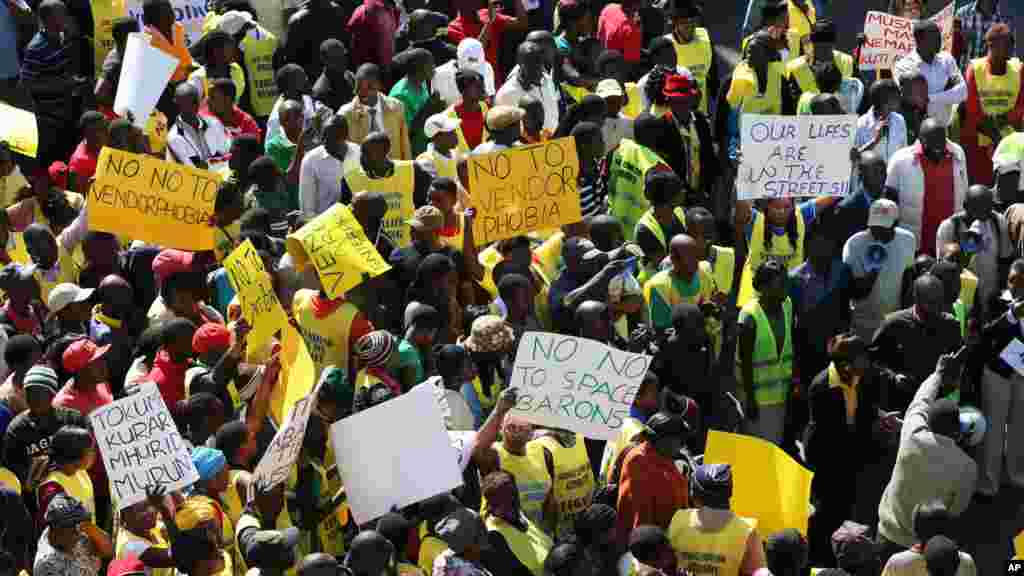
{"points": [[787, 156], [889, 38], [298, 374], [277, 461], [464, 442], [139, 197], [575, 383], [141, 446], [19, 130], [376, 474], [522, 189], [336, 244], [260, 306]]}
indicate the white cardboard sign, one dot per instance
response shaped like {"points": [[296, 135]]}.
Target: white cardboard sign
{"points": [[276, 463], [395, 454], [144, 75], [795, 156], [141, 446], [575, 383], [889, 38]]}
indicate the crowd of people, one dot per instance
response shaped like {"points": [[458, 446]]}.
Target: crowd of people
{"points": [[882, 328]]}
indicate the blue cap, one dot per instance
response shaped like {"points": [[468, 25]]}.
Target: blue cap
{"points": [[208, 461]]}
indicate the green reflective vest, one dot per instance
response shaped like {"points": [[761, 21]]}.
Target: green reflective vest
{"points": [[773, 374]]}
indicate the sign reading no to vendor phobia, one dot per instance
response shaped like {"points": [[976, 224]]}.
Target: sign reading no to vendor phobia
{"points": [[577, 384]]}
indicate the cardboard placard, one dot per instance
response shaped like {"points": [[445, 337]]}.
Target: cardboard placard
{"points": [[768, 485], [141, 446], [889, 38], [145, 72], [140, 197], [276, 463], [377, 464], [336, 244], [795, 156], [298, 374], [522, 189], [19, 130], [575, 383], [260, 306]]}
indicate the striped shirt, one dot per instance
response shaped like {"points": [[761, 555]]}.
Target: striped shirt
{"points": [[46, 59]]}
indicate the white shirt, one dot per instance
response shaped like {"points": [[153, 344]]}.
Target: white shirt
{"points": [[889, 144], [445, 86], [867, 314], [511, 91], [995, 244], [911, 563], [320, 178], [938, 74], [185, 147], [310, 108]]}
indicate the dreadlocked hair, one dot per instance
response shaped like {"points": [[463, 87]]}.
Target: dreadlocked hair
{"points": [[656, 84]]}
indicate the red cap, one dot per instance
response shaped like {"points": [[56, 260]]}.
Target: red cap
{"points": [[126, 566], [211, 336], [81, 353], [58, 174], [679, 86], [169, 262]]}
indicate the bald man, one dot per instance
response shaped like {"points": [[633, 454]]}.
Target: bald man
{"points": [[687, 281], [194, 140]]}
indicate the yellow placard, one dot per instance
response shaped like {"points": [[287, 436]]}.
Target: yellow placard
{"points": [[260, 306], [523, 189], [139, 197], [1018, 546], [297, 374], [768, 485], [19, 129], [336, 244]]}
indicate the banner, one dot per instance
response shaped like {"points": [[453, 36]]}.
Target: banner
{"points": [[376, 473], [889, 38], [142, 198], [189, 13], [298, 374], [141, 446], [145, 72], [522, 189], [795, 156], [276, 463], [768, 485], [576, 384], [19, 130], [260, 306], [338, 247]]}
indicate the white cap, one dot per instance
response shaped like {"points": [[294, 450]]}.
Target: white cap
{"points": [[440, 123], [65, 294], [609, 87], [233, 21], [884, 213], [470, 54]]}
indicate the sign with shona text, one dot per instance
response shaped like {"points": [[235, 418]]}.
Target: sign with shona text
{"points": [[889, 38], [337, 245], [575, 383], [790, 156], [142, 198], [522, 189], [409, 441], [284, 449], [260, 306], [141, 446]]}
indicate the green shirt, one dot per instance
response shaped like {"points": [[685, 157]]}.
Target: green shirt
{"points": [[409, 356], [413, 101], [281, 150]]}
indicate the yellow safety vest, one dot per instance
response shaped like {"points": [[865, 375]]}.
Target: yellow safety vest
{"points": [[800, 71], [965, 302], [996, 94], [631, 428], [744, 95], [463, 145], [530, 548], [781, 249], [662, 284], [574, 479], [250, 520], [325, 338], [78, 486], [575, 92], [331, 528], [430, 548], [397, 190], [103, 14], [445, 167], [651, 223], [773, 373], [703, 552], [723, 267], [155, 538], [634, 104], [532, 480], [801, 24], [629, 166], [794, 46], [696, 56], [258, 57]]}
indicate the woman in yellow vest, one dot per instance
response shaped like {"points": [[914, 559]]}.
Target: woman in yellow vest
{"points": [[800, 72], [220, 51], [764, 355], [661, 223], [140, 535], [710, 538], [995, 104], [565, 457], [205, 509], [506, 521], [439, 158], [694, 49]]}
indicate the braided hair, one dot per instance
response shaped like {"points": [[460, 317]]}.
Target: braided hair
{"points": [[791, 231]]}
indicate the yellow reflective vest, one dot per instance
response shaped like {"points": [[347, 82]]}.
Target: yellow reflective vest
{"points": [[744, 95], [397, 189], [629, 166], [996, 94], [258, 49], [773, 372], [530, 548], [781, 249], [696, 56], [574, 479], [532, 480], [799, 71], [702, 552]]}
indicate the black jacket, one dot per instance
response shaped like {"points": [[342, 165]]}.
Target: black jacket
{"points": [[831, 445]]}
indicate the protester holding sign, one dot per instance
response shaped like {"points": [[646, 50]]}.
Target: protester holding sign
{"points": [[946, 87]]}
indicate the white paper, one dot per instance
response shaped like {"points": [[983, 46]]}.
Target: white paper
{"points": [[276, 463], [576, 384], [795, 156], [464, 442], [145, 72], [395, 454], [889, 38], [1013, 355], [141, 446]]}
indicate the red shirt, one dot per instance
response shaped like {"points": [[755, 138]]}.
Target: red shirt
{"points": [[373, 26], [169, 378], [472, 125], [651, 489], [240, 123], [83, 164], [938, 196], [616, 31], [460, 29]]}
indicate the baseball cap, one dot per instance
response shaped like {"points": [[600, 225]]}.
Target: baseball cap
{"points": [[470, 54], [42, 377], [501, 117], [82, 353], [64, 511], [427, 218], [440, 123], [884, 213], [233, 21], [170, 261], [269, 548], [211, 336], [609, 87], [65, 294]]}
